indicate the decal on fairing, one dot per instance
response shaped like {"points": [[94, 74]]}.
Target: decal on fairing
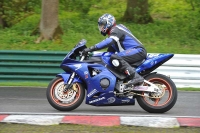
{"points": [[111, 100], [152, 63], [126, 101], [92, 93], [152, 55], [78, 66], [86, 74], [96, 100]]}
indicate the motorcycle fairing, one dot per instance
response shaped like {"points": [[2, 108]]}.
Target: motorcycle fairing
{"points": [[66, 76], [73, 54], [109, 99], [153, 61], [96, 95], [106, 58]]}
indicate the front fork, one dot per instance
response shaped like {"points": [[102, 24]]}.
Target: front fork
{"points": [[69, 83]]}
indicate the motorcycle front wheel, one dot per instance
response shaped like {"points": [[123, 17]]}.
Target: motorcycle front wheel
{"points": [[162, 102], [64, 101]]}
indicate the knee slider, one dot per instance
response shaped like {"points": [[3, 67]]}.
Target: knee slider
{"points": [[115, 63], [115, 60]]}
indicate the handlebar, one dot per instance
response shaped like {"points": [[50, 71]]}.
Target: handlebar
{"points": [[82, 58]]}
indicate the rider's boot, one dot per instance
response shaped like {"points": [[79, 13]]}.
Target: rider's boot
{"points": [[136, 80]]}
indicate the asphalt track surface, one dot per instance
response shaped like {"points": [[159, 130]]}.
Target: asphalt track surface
{"points": [[32, 100]]}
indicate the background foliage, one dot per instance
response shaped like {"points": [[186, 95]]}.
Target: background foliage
{"points": [[13, 11], [176, 27]]}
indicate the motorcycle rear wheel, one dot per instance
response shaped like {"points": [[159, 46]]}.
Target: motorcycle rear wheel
{"points": [[64, 101], [166, 102]]}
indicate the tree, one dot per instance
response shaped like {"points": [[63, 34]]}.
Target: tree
{"points": [[81, 6], [49, 25], [3, 23], [137, 11], [13, 11], [195, 4]]}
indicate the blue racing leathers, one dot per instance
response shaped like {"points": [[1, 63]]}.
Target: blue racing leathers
{"points": [[128, 50], [124, 43]]}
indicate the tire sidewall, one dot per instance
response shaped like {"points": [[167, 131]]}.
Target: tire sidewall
{"points": [[57, 106], [168, 105]]}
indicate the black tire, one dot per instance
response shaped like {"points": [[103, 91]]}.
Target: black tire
{"points": [[156, 105], [58, 99]]}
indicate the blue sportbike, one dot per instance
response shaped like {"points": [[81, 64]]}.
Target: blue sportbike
{"points": [[94, 77]]}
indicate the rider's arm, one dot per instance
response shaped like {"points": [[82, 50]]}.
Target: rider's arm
{"points": [[111, 49], [112, 39], [105, 43]]}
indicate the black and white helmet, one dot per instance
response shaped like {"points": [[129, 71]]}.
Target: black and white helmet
{"points": [[105, 23]]}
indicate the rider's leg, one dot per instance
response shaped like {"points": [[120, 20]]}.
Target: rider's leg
{"points": [[128, 57], [120, 64]]}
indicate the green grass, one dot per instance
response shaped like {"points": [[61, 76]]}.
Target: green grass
{"points": [[175, 28], [29, 84], [68, 128], [45, 84]]}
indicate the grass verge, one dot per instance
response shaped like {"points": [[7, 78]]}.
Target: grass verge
{"points": [[68, 128], [45, 84]]}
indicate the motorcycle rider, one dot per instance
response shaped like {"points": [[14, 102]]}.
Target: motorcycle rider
{"points": [[127, 48]]}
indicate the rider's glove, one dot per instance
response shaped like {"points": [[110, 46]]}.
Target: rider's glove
{"points": [[85, 51]]}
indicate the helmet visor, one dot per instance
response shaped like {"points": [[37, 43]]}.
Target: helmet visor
{"points": [[101, 27]]}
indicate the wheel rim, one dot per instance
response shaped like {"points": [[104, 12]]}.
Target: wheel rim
{"points": [[65, 98], [167, 93]]}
